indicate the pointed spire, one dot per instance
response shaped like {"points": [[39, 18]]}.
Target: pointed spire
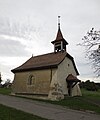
{"points": [[59, 33], [59, 43]]}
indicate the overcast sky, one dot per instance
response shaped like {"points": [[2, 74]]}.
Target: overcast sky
{"points": [[28, 26]]}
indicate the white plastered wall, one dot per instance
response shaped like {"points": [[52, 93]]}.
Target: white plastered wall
{"points": [[64, 69], [59, 78]]}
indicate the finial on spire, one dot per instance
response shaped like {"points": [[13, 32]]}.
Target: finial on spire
{"points": [[58, 21]]}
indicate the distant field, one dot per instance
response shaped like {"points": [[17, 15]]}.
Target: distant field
{"points": [[7, 113], [90, 101]]}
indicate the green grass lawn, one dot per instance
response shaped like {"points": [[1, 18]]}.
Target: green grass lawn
{"points": [[7, 113], [78, 103], [93, 96], [5, 91], [89, 101]]}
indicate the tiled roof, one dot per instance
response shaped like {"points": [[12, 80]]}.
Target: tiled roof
{"points": [[73, 78], [59, 37], [50, 60]]}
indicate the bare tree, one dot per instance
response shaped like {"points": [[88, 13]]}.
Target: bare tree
{"points": [[91, 41]]}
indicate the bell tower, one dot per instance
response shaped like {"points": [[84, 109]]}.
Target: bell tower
{"points": [[59, 43]]}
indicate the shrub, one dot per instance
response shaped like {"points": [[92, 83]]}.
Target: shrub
{"points": [[91, 86]]}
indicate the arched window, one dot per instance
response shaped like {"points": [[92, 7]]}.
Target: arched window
{"points": [[31, 80]]}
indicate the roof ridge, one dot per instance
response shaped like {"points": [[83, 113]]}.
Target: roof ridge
{"points": [[49, 53], [41, 61]]}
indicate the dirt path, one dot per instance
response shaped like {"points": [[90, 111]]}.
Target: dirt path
{"points": [[46, 110]]}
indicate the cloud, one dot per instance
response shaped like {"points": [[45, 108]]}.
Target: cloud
{"points": [[17, 39], [12, 48], [9, 63]]}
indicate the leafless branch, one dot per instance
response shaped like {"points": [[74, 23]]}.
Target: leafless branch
{"points": [[91, 42]]}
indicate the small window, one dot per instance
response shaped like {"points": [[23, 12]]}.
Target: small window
{"points": [[31, 80]]}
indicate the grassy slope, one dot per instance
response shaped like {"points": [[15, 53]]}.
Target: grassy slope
{"points": [[78, 103], [92, 96], [89, 101], [5, 91]]}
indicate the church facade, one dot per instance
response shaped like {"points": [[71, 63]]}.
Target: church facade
{"points": [[53, 75]]}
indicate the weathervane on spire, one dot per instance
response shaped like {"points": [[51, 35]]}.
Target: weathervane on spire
{"points": [[58, 21]]}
